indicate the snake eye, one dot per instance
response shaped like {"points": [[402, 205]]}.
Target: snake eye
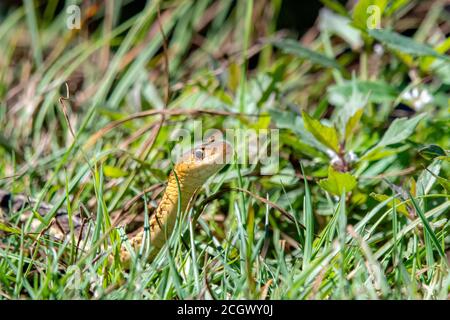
{"points": [[198, 153]]}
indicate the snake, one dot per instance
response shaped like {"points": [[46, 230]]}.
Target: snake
{"points": [[189, 175]]}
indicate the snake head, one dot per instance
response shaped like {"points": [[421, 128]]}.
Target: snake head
{"points": [[204, 160]]}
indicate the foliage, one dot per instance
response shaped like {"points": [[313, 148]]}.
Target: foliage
{"points": [[363, 156]]}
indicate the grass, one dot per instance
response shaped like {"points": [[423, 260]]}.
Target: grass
{"points": [[363, 153]]}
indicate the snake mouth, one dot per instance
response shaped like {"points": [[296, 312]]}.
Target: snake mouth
{"points": [[215, 153], [219, 148]]}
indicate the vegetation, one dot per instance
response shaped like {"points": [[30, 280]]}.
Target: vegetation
{"points": [[363, 116]]}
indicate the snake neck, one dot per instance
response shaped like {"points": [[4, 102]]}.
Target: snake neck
{"points": [[179, 191], [177, 194], [176, 198]]}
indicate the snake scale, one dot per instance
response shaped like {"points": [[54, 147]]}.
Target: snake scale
{"points": [[188, 176]]}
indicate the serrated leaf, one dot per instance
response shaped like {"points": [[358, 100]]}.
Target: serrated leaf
{"points": [[114, 172], [324, 134], [293, 47], [405, 44], [338, 182]]}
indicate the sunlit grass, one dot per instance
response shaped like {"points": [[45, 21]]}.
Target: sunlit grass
{"points": [[385, 238]]}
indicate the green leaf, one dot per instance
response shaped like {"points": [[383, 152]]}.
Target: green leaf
{"points": [[427, 178], [293, 47], [338, 182], [365, 13], [335, 6], [441, 48], [380, 153], [4, 227], [114, 172], [399, 130], [308, 221], [298, 145], [428, 228], [234, 76], [263, 121], [395, 6], [405, 44], [292, 121], [445, 183], [376, 91], [352, 122], [432, 151], [351, 110], [324, 134], [339, 25], [433, 171], [400, 207]]}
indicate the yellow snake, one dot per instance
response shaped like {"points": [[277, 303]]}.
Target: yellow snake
{"points": [[188, 176]]}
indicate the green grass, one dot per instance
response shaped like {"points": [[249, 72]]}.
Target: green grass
{"points": [[369, 220]]}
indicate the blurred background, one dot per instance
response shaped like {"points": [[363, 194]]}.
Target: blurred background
{"points": [[362, 109]]}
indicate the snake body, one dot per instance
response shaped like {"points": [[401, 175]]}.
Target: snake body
{"points": [[188, 176]]}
